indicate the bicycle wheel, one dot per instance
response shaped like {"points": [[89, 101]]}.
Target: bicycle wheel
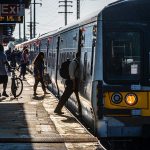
{"points": [[16, 87]]}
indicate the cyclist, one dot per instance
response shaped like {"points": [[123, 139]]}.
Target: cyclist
{"points": [[3, 72]]}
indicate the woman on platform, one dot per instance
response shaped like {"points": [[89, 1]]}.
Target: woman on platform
{"points": [[39, 72]]}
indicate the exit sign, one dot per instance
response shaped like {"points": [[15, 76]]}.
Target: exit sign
{"points": [[12, 9]]}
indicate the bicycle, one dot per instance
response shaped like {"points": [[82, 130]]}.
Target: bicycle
{"points": [[16, 84]]}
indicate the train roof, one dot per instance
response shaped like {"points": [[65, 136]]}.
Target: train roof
{"points": [[26, 42], [127, 10], [90, 18], [48, 34]]}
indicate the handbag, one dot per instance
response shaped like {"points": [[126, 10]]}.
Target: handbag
{"points": [[47, 79]]}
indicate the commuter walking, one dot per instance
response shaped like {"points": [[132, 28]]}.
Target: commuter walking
{"points": [[71, 85], [11, 54], [3, 72], [24, 62], [39, 72], [13, 59], [9, 51]]}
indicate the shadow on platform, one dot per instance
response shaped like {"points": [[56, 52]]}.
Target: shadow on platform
{"points": [[13, 126]]}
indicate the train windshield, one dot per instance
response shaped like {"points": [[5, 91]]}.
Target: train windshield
{"points": [[122, 56]]}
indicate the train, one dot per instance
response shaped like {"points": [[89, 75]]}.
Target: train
{"points": [[114, 67]]}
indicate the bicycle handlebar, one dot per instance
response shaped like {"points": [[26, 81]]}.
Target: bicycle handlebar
{"points": [[13, 69]]}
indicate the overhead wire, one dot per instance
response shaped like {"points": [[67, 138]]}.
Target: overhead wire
{"points": [[53, 18]]}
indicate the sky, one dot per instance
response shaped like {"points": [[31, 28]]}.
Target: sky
{"points": [[48, 18]]}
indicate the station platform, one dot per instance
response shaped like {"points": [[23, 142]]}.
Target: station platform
{"points": [[29, 123]]}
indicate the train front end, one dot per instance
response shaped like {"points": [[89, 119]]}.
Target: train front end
{"points": [[123, 95]]}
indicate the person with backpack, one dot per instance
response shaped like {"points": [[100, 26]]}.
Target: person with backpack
{"points": [[71, 84]]}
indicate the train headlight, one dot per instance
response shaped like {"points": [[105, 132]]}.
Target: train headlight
{"points": [[116, 98], [131, 99]]}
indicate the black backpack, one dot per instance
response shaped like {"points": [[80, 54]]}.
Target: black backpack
{"points": [[64, 69]]}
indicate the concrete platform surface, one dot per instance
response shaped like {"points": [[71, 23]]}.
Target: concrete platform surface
{"points": [[29, 123]]}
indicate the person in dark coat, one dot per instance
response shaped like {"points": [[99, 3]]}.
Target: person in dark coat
{"points": [[24, 62], [39, 72], [3, 72], [13, 59]]}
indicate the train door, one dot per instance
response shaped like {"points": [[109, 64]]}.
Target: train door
{"points": [[87, 56], [53, 63], [62, 57], [88, 39], [49, 55], [67, 49]]}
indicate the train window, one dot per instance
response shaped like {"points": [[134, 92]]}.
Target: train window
{"points": [[93, 46], [85, 66], [123, 55], [50, 43], [54, 46], [51, 60], [54, 58], [63, 57], [68, 39], [74, 54], [75, 37], [88, 36], [63, 40], [70, 55]]}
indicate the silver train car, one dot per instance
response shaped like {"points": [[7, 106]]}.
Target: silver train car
{"points": [[114, 67]]}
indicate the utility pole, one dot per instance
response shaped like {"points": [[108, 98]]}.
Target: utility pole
{"points": [[66, 5], [34, 22], [34, 19], [30, 21], [24, 24], [19, 31], [78, 9]]}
